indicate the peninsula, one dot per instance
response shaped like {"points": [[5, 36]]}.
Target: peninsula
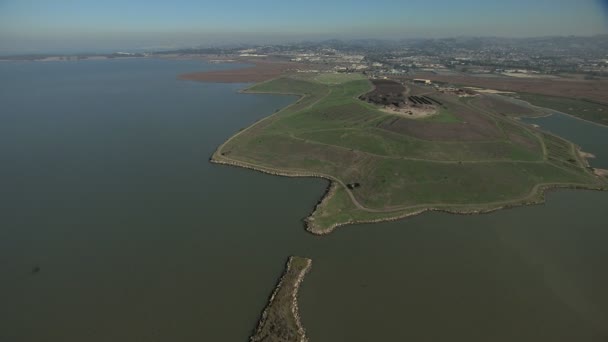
{"points": [[467, 154], [280, 321]]}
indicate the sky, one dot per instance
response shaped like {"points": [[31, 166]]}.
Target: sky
{"points": [[86, 25]]}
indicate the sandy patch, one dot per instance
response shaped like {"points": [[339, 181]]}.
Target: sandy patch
{"points": [[601, 172], [596, 90], [586, 155], [410, 112], [523, 75]]}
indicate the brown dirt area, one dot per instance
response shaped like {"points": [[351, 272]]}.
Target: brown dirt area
{"points": [[262, 70], [411, 112], [391, 97], [601, 172], [586, 155], [385, 93], [596, 90], [474, 127]]}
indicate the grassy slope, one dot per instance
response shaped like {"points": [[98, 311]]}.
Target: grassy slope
{"points": [[443, 115], [591, 111], [331, 134]]}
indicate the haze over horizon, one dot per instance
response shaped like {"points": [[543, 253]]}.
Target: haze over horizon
{"points": [[36, 26]]}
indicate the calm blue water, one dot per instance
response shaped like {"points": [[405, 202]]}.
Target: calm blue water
{"points": [[107, 189]]}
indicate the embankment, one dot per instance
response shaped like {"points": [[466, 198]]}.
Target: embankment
{"points": [[280, 320]]}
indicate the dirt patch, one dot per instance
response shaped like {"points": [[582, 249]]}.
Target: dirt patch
{"points": [[391, 97], [601, 172], [489, 91], [522, 75], [596, 90], [418, 90], [410, 112], [474, 127], [386, 93], [259, 72], [586, 155]]}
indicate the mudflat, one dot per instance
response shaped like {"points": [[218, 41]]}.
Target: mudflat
{"points": [[261, 70], [596, 90]]}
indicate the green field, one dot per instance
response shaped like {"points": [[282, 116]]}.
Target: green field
{"points": [[336, 78], [584, 109], [466, 160], [443, 115]]}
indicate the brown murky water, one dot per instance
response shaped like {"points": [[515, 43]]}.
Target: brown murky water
{"points": [[114, 227]]}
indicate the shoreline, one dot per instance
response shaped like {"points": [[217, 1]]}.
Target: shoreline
{"points": [[272, 326], [584, 156], [601, 172], [550, 112], [567, 88], [535, 197], [258, 71], [541, 200], [570, 88]]}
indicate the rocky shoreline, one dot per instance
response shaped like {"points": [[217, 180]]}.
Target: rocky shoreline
{"points": [[214, 159], [537, 198], [280, 320], [600, 172], [330, 191]]}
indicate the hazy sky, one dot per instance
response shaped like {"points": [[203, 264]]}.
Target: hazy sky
{"points": [[84, 25]]}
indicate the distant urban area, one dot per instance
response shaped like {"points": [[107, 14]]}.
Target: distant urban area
{"points": [[513, 57], [510, 57]]}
